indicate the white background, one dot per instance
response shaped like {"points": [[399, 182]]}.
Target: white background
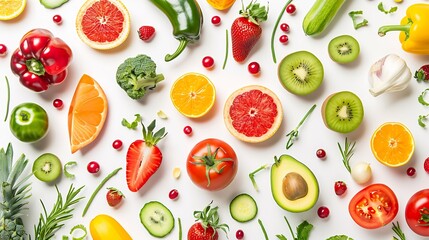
{"points": [[101, 65]]}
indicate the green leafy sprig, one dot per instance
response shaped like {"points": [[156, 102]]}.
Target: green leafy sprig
{"points": [[133, 125], [381, 8], [347, 153], [294, 133], [252, 175], [355, 16], [398, 231]]}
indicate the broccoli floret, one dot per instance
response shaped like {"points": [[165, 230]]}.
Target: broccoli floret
{"points": [[136, 75]]}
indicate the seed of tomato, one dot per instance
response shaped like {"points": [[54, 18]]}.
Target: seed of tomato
{"points": [[254, 68], [284, 27], [58, 103], [173, 194], [208, 62], [117, 144], [284, 39], [187, 130], [3, 50], [291, 9], [320, 153], [239, 234], [216, 20], [323, 212], [340, 188], [57, 19], [93, 167]]}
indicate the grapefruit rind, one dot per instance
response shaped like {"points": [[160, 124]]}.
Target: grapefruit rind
{"points": [[104, 45], [275, 126]]}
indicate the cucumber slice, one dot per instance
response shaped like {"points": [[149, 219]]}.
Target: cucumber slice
{"points": [[157, 219], [243, 208], [52, 3]]}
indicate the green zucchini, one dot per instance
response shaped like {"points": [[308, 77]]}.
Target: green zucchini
{"points": [[320, 16]]}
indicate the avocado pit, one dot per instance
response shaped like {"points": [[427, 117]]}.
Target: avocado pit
{"points": [[294, 186]]}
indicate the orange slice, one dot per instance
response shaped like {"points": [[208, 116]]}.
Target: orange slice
{"points": [[193, 95], [103, 24], [392, 144], [10, 9], [87, 113]]}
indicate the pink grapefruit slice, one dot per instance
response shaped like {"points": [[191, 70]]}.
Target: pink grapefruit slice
{"points": [[103, 24], [253, 113]]}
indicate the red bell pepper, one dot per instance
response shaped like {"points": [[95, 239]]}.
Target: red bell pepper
{"points": [[41, 60]]}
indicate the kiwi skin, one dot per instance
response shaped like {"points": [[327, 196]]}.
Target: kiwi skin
{"points": [[350, 127], [348, 42], [47, 167]]}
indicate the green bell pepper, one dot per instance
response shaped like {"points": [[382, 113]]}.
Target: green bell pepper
{"points": [[29, 122], [186, 18]]}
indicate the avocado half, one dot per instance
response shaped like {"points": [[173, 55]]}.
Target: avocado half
{"points": [[293, 184]]}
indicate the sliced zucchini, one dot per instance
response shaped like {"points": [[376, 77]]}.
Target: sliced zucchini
{"points": [[243, 208], [157, 219], [52, 3]]}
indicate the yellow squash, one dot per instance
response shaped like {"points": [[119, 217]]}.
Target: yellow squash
{"points": [[104, 227]]}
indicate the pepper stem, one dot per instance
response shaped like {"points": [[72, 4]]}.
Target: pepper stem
{"points": [[180, 48], [35, 66], [403, 28]]}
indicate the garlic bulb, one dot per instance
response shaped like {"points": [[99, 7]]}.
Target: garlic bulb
{"points": [[389, 74]]}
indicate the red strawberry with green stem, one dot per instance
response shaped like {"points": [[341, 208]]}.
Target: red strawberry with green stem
{"points": [[207, 225], [144, 157], [246, 31], [114, 196], [422, 74]]}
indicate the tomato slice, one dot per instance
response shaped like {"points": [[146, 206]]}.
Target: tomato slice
{"points": [[374, 206]]}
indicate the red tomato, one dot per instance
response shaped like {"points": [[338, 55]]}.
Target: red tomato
{"points": [[417, 212], [212, 164], [374, 206]]}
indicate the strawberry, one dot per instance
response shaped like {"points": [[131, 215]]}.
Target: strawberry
{"points": [[144, 157], [246, 31], [114, 197], [422, 74], [207, 225], [146, 32]]}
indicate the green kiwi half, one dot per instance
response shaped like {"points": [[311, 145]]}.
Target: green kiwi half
{"points": [[342, 112], [343, 49], [301, 72], [47, 167]]}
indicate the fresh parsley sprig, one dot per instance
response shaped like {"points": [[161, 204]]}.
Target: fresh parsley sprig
{"points": [[347, 153], [133, 124], [294, 133]]}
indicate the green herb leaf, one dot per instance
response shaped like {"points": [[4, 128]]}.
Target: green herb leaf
{"points": [[294, 133], [347, 153], [263, 229], [252, 175], [281, 237], [422, 119], [340, 237], [67, 173], [180, 228], [355, 16], [421, 98], [134, 124], [303, 230], [398, 231], [381, 8]]}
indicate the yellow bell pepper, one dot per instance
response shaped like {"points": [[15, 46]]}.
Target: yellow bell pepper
{"points": [[414, 29], [221, 4], [104, 227]]}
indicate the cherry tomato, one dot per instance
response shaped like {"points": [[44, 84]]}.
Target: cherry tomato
{"points": [[212, 164], [417, 212], [254, 68], [216, 20], [374, 206], [93, 167]]}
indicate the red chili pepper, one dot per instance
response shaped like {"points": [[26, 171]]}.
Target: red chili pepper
{"points": [[41, 60]]}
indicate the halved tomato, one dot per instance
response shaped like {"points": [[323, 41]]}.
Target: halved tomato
{"points": [[374, 206]]}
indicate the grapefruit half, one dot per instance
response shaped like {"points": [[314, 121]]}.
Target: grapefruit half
{"points": [[253, 113], [103, 24]]}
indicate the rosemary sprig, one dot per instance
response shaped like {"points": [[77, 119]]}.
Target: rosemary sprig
{"points": [[294, 133], [398, 231], [61, 212], [347, 153]]}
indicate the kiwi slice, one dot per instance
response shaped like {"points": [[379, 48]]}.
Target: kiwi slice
{"points": [[343, 49], [300, 73], [342, 112], [47, 167]]}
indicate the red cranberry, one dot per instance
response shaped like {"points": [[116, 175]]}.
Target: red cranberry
{"points": [[117, 144], [3, 50], [320, 153], [187, 130], [239, 234], [284, 39], [340, 188], [411, 171], [93, 167], [58, 103], [323, 212], [208, 62], [284, 27], [57, 19], [173, 194], [291, 9], [254, 68], [216, 20]]}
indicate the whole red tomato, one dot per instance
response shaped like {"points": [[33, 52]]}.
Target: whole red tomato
{"points": [[417, 212], [212, 164], [374, 206]]}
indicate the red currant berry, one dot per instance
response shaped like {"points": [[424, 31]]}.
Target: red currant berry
{"points": [[58, 103], [187, 130], [208, 62], [239, 234], [284, 39], [93, 167], [320, 153], [3, 50], [117, 144], [323, 212], [291, 9], [426, 165], [340, 188], [254, 68], [173, 194], [284, 27], [57, 19], [411, 171], [216, 20]]}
